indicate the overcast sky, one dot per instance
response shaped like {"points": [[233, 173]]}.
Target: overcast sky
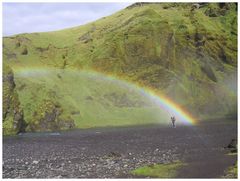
{"points": [[38, 17]]}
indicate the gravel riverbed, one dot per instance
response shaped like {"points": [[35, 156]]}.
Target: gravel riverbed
{"points": [[114, 152]]}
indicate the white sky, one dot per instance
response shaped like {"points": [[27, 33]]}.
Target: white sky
{"points": [[40, 17]]}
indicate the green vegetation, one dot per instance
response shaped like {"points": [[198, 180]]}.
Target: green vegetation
{"points": [[159, 170], [82, 97], [188, 54], [13, 121], [231, 172]]}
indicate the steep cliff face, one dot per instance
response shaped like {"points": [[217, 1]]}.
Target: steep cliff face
{"points": [[186, 51], [13, 120], [46, 114]]}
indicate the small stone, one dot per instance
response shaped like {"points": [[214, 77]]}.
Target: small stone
{"points": [[69, 161], [35, 162], [26, 163]]}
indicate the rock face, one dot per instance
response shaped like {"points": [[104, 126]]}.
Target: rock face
{"points": [[48, 117], [13, 120], [233, 146]]}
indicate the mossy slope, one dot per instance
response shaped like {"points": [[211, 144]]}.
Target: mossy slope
{"points": [[53, 97], [185, 52]]}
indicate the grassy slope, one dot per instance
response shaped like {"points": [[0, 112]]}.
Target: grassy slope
{"points": [[84, 98], [187, 55]]}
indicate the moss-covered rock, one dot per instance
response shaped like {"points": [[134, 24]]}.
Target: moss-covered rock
{"points": [[49, 117], [13, 119]]}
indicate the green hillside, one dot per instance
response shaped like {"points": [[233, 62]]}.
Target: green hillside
{"points": [[186, 51], [54, 97]]}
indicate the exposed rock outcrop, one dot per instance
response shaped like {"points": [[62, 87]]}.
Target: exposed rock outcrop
{"points": [[49, 117], [13, 119]]}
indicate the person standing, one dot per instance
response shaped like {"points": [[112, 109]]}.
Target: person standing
{"points": [[173, 119]]}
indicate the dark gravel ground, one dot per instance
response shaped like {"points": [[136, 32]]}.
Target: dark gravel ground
{"points": [[114, 152]]}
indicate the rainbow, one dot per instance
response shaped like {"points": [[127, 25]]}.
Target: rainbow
{"points": [[162, 101]]}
